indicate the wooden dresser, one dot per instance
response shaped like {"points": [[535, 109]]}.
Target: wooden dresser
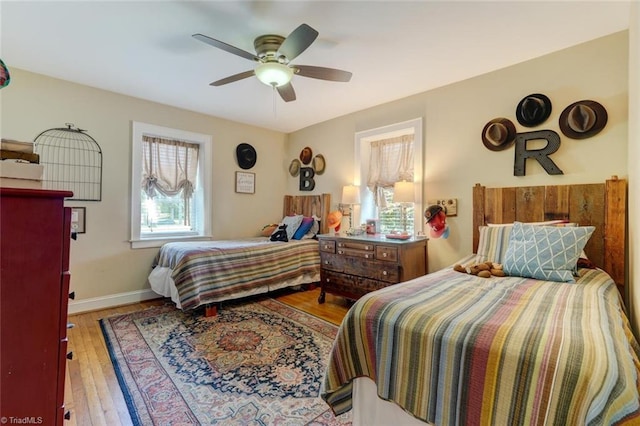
{"points": [[34, 292], [354, 266]]}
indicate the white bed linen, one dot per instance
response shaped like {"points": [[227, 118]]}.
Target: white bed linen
{"points": [[370, 410]]}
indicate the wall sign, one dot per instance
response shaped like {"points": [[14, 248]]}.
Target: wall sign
{"points": [[245, 182]]}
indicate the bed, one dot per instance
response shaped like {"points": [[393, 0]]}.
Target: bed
{"points": [[451, 348], [200, 273]]}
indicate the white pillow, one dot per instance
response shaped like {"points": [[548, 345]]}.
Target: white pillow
{"points": [[293, 223]]}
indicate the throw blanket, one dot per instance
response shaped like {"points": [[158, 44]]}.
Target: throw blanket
{"points": [[216, 270], [455, 349]]}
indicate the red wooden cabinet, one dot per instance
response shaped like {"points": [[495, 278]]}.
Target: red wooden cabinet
{"points": [[34, 293]]}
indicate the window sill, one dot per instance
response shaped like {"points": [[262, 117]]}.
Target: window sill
{"points": [[159, 242]]}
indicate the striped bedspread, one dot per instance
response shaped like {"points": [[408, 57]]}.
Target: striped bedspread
{"points": [[207, 271], [454, 349]]}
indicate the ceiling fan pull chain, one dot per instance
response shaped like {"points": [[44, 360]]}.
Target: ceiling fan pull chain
{"points": [[273, 92]]}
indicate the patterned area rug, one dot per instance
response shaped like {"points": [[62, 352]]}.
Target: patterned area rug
{"points": [[256, 363]]}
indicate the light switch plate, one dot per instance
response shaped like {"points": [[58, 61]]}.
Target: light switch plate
{"points": [[450, 205]]}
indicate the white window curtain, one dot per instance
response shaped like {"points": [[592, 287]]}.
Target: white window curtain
{"points": [[391, 161], [168, 166]]}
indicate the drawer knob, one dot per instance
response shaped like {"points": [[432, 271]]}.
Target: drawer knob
{"points": [[327, 280], [384, 273], [384, 254], [366, 256], [326, 262], [340, 252]]}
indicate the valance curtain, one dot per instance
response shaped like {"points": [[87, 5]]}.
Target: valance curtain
{"points": [[169, 166], [391, 161]]}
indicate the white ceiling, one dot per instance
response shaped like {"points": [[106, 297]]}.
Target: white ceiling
{"points": [[394, 49]]}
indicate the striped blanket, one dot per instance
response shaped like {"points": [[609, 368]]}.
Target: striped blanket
{"points": [[211, 271], [454, 349]]}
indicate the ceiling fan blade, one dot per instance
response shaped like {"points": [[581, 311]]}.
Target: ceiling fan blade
{"points": [[286, 92], [298, 41], [232, 78], [226, 47], [322, 73]]}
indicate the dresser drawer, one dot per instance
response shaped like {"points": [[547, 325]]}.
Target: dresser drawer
{"points": [[387, 253], [328, 246], [356, 245], [352, 252], [370, 269], [332, 262]]}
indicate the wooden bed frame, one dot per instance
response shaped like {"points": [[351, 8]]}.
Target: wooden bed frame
{"points": [[309, 205], [603, 205]]}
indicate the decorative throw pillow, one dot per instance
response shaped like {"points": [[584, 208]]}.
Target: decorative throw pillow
{"points": [[492, 243], [494, 239], [545, 252], [292, 222], [315, 228], [305, 226]]}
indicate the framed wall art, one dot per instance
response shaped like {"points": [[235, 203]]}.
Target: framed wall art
{"points": [[78, 220], [245, 183]]}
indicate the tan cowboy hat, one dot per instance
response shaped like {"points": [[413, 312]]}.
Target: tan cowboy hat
{"points": [[294, 167], [499, 134], [583, 119], [319, 164]]}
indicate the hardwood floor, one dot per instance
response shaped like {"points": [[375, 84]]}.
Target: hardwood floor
{"points": [[92, 392]]}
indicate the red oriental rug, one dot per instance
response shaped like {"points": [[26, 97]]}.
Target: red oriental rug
{"points": [[256, 363]]}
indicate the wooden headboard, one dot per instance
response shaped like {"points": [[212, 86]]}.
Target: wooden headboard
{"points": [[603, 205], [309, 205]]}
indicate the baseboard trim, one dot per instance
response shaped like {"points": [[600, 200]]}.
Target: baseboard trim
{"points": [[110, 301]]}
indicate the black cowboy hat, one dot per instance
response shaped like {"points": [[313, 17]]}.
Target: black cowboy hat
{"points": [[533, 110], [246, 156]]}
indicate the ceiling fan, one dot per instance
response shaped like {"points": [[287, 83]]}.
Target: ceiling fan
{"points": [[274, 54]]}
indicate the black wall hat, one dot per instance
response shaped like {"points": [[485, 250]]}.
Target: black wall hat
{"points": [[583, 119], [498, 134], [246, 156], [533, 110]]}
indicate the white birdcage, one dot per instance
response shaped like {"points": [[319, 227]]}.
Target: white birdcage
{"points": [[72, 161]]}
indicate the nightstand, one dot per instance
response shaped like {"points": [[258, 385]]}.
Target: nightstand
{"points": [[354, 266]]}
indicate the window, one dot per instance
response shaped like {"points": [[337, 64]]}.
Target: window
{"points": [[401, 159], [170, 194]]}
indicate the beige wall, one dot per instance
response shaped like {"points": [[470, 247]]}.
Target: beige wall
{"points": [[102, 262], [634, 170], [456, 159]]}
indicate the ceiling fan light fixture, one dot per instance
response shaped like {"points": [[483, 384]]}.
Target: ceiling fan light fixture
{"points": [[274, 74]]}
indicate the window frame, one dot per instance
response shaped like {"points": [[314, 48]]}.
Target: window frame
{"points": [[203, 192], [361, 166]]}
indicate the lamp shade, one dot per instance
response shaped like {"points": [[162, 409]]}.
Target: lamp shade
{"points": [[273, 73], [351, 194], [403, 192]]}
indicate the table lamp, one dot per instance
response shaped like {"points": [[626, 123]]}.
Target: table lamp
{"points": [[350, 196], [404, 193]]}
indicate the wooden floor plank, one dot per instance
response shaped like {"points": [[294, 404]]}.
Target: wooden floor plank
{"points": [[93, 393]]}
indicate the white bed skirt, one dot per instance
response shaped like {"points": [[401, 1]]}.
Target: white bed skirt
{"points": [[161, 282], [369, 410]]}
